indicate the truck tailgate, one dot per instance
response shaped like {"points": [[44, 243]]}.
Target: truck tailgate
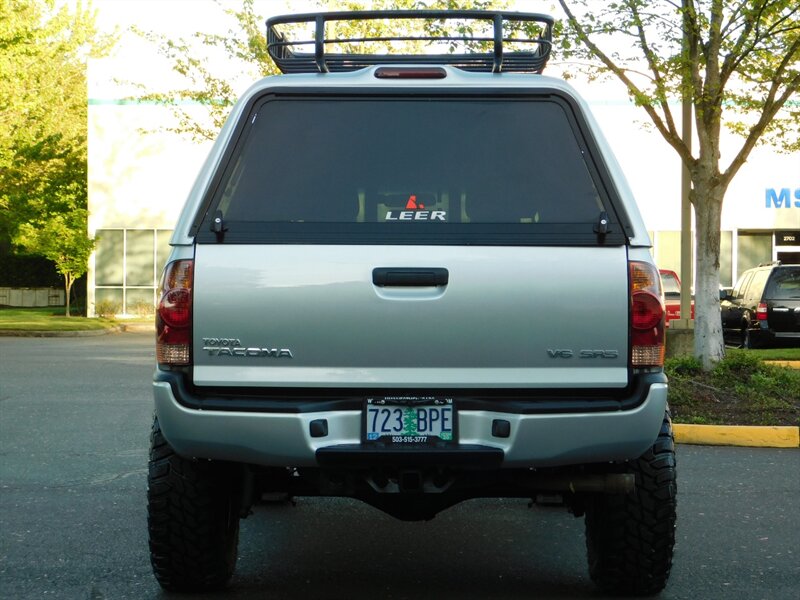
{"points": [[508, 317]]}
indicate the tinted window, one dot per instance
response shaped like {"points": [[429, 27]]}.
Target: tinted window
{"points": [[741, 286], [784, 284], [410, 161], [756, 288]]}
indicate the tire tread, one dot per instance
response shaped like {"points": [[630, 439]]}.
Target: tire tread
{"points": [[630, 538], [192, 519]]}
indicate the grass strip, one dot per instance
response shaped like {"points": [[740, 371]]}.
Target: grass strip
{"points": [[49, 319], [741, 390]]}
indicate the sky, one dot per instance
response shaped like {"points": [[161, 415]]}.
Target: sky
{"points": [[135, 59]]}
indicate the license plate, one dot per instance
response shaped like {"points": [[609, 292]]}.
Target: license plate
{"points": [[409, 420]]}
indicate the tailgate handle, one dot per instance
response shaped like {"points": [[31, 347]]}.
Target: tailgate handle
{"points": [[407, 277]]}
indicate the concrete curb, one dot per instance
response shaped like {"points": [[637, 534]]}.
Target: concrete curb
{"points": [[793, 364], [121, 328], [43, 334], [737, 435], [138, 327]]}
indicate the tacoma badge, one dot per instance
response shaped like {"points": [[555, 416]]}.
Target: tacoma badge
{"points": [[234, 347]]}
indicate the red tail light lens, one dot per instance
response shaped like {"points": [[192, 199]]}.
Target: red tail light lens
{"points": [[175, 308], [647, 316], [761, 311], [174, 314], [647, 311]]}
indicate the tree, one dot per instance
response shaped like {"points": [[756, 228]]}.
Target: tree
{"points": [[43, 119], [739, 67], [60, 237], [245, 46]]}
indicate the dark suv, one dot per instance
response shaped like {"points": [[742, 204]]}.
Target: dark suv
{"points": [[764, 307]]}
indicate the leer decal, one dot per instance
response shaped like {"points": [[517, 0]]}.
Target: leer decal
{"points": [[415, 211]]}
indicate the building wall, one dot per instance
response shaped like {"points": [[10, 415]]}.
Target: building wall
{"points": [[128, 265], [139, 177]]}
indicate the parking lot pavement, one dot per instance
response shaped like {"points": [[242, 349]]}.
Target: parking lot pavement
{"points": [[74, 421]]}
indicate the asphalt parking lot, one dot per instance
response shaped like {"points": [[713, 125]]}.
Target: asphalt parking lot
{"points": [[74, 420]]}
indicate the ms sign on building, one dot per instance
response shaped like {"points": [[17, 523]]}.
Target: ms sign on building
{"points": [[782, 198]]}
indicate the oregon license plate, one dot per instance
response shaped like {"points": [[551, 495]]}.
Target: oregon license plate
{"points": [[409, 420]]}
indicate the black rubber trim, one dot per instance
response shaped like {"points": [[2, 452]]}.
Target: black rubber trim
{"points": [[357, 455], [307, 400], [423, 234]]}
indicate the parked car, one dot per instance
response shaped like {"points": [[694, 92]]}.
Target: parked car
{"points": [[671, 284], [763, 308]]}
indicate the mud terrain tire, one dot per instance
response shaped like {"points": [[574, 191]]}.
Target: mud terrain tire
{"points": [[192, 518], [630, 538]]}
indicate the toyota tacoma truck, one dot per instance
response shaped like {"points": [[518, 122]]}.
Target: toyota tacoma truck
{"points": [[412, 280]]}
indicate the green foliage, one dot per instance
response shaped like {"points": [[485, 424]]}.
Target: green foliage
{"points": [[739, 366], [43, 128], [141, 308], [244, 47], [47, 319], [683, 365], [244, 50], [62, 238], [107, 309], [769, 353], [741, 389]]}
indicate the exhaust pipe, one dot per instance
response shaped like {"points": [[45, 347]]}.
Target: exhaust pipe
{"points": [[604, 483]]}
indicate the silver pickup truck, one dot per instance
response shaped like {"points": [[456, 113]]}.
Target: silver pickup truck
{"points": [[411, 280]]}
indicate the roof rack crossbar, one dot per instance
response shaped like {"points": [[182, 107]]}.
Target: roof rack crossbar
{"points": [[499, 59]]}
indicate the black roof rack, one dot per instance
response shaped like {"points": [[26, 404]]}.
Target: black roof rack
{"points": [[532, 60]]}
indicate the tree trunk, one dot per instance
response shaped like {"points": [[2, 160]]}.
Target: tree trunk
{"points": [[68, 281], [708, 344]]}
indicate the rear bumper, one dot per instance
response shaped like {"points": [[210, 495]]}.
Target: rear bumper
{"points": [[767, 336], [541, 439]]}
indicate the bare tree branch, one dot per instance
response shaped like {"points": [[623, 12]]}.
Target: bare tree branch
{"points": [[652, 61], [771, 107], [671, 137]]}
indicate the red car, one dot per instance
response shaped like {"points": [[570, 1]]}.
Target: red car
{"points": [[672, 294]]}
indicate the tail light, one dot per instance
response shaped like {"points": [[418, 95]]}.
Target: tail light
{"points": [[761, 311], [174, 314], [647, 316]]}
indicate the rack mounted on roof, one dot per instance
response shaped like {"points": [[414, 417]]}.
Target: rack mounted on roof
{"points": [[281, 48]]}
